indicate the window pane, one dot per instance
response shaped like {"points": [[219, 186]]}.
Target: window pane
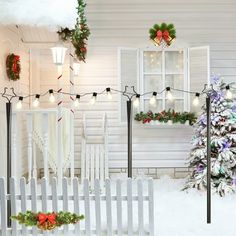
{"points": [[152, 62], [153, 83], [177, 82], [174, 62], [176, 104], [148, 107]]}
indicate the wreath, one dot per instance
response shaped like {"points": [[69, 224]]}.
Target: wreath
{"points": [[79, 35], [162, 34], [47, 221], [13, 67]]}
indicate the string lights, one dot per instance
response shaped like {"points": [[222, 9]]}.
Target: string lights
{"points": [[133, 95]]}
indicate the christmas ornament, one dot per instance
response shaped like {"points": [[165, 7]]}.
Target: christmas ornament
{"points": [[47, 221], [162, 35], [13, 67]]}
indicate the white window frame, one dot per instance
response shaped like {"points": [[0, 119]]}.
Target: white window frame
{"points": [[163, 74]]}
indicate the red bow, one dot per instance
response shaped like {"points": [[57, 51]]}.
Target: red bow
{"points": [[15, 61], [42, 218], [163, 35]]}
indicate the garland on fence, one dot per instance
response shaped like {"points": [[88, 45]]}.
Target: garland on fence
{"points": [[47, 221], [79, 35], [162, 33], [13, 67], [165, 116]]}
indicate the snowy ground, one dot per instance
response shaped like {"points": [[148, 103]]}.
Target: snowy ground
{"points": [[179, 213]]}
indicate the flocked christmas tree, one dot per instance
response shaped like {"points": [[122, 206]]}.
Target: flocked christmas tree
{"points": [[223, 143]]}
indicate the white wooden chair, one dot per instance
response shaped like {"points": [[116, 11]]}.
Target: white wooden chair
{"points": [[94, 153]]}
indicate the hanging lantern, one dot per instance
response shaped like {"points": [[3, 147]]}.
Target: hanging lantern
{"points": [[58, 54]]}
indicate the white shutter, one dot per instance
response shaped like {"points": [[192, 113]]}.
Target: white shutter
{"points": [[199, 72], [128, 59]]}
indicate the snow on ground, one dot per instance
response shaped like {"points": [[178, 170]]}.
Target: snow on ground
{"points": [[178, 213]]}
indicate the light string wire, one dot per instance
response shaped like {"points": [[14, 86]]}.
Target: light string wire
{"points": [[125, 92]]}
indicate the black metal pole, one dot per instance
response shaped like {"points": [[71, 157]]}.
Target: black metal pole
{"points": [[208, 107], [129, 126], [9, 121]]}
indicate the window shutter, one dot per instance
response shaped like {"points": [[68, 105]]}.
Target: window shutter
{"points": [[199, 72], [128, 75]]}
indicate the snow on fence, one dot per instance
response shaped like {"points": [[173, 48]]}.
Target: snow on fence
{"points": [[123, 209]]}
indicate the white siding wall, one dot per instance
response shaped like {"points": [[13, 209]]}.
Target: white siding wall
{"points": [[10, 43], [125, 24]]}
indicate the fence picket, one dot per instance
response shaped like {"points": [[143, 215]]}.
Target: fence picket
{"points": [[23, 202], [13, 205], [54, 198], [108, 207], [65, 200], [87, 208], [119, 208], [34, 201], [151, 207], [140, 207], [76, 203], [3, 207], [98, 206], [44, 197], [130, 206]]}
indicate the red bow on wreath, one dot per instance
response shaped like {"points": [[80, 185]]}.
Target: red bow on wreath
{"points": [[42, 218], [163, 36], [15, 63]]}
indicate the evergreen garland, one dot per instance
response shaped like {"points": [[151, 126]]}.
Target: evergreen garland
{"points": [[79, 35], [47, 221], [165, 116]]}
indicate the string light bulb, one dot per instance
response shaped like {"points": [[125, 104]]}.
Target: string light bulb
{"points": [[137, 100], [228, 94], [36, 100], [196, 99], [19, 103], [93, 98], [169, 95], [76, 101], [52, 98], [153, 99], [109, 95]]}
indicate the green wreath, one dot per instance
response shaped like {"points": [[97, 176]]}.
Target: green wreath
{"points": [[13, 66], [163, 32]]}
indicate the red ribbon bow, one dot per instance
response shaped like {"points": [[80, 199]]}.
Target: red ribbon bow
{"points": [[163, 35], [42, 218], [15, 61]]}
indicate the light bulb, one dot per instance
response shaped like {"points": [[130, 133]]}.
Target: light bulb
{"points": [[109, 95], [137, 100], [169, 95], [228, 94], [19, 103], [76, 102], [36, 100], [196, 100], [51, 96], [93, 98], [153, 99]]}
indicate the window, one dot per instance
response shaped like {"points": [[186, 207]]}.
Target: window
{"points": [[161, 69], [154, 70]]}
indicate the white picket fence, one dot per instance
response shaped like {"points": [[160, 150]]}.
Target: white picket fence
{"points": [[124, 209]]}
